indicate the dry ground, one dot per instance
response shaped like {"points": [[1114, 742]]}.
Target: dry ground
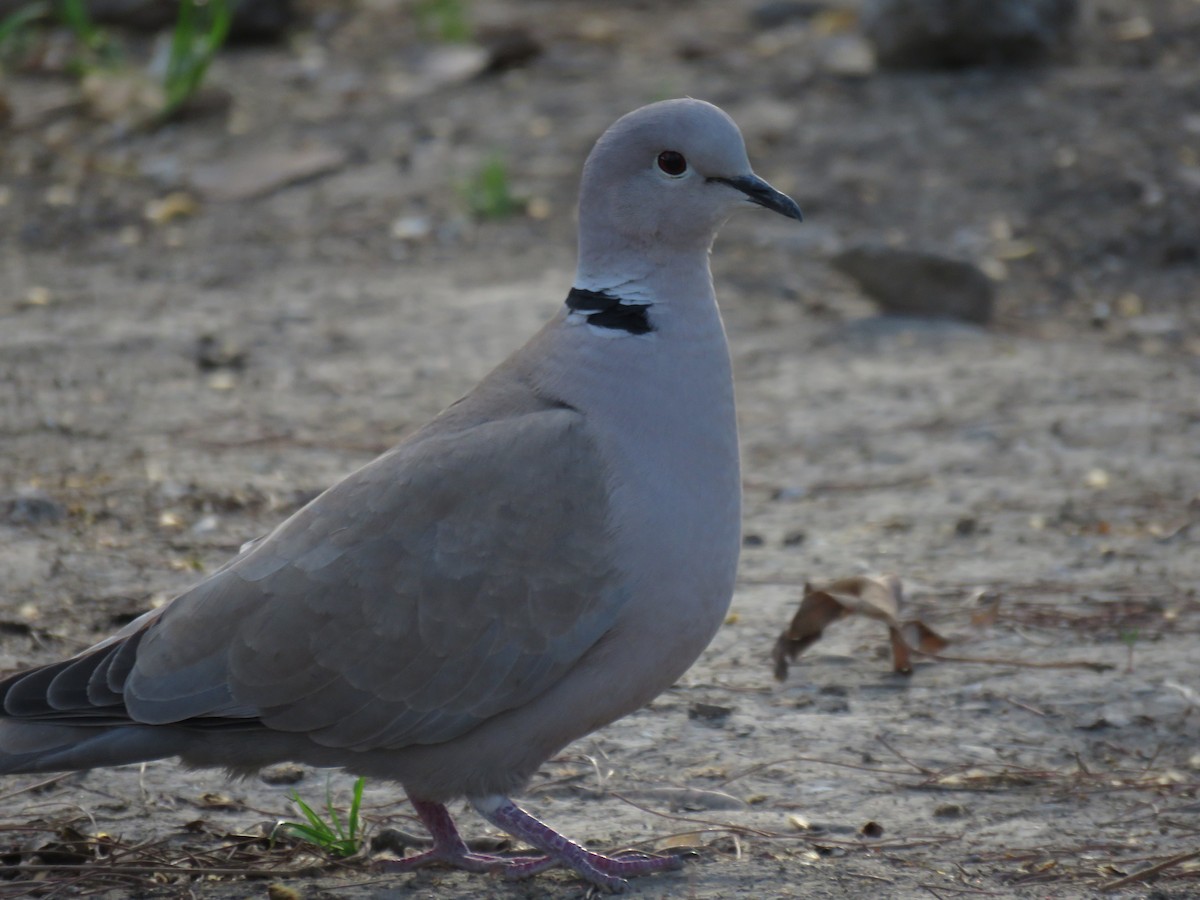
{"points": [[179, 388]]}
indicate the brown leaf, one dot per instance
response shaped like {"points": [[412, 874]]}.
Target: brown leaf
{"points": [[880, 598], [215, 800], [921, 637], [987, 610]]}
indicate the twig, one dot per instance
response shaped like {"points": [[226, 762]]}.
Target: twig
{"points": [[958, 890], [1150, 872], [1023, 663], [903, 758], [99, 869], [720, 826], [36, 786], [809, 759]]}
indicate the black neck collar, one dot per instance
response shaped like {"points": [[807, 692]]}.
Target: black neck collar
{"points": [[605, 310]]}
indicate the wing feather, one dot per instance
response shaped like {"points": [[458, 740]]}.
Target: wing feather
{"points": [[458, 576]]}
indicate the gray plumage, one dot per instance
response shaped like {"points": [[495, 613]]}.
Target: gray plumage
{"points": [[547, 555]]}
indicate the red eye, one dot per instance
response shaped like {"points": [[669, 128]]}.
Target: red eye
{"points": [[672, 162]]}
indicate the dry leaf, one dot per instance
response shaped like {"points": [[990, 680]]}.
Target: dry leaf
{"points": [[987, 608], [214, 800], [880, 598], [686, 841]]}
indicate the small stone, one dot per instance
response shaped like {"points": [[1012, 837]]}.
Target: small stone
{"points": [[213, 352], [31, 508], [412, 228], [950, 811], [709, 712], [285, 773], [509, 48], [170, 520], [37, 295], [174, 205], [956, 33], [259, 171], [538, 208], [775, 13], [222, 381], [848, 55], [914, 283], [794, 538], [61, 195], [1135, 28], [753, 540]]}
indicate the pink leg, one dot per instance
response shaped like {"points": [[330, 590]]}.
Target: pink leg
{"points": [[449, 849], [605, 872]]}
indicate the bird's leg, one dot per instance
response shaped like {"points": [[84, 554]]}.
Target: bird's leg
{"points": [[449, 849], [605, 872]]}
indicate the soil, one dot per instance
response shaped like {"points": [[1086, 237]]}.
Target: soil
{"points": [[173, 386]]}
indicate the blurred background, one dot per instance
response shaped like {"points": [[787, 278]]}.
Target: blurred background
{"points": [[246, 246]]}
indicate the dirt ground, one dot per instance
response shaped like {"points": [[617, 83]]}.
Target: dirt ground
{"points": [[173, 386]]}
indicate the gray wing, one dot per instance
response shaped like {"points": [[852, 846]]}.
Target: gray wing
{"points": [[459, 575]]}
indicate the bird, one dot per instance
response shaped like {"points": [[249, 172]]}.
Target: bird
{"points": [[545, 556]]}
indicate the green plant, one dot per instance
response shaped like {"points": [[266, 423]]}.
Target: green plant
{"points": [[445, 20], [97, 48], [332, 836], [487, 192], [200, 30], [16, 25], [1129, 637]]}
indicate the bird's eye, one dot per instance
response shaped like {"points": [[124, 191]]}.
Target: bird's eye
{"points": [[672, 162]]}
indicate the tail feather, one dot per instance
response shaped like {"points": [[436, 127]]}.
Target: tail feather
{"points": [[39, 747]]}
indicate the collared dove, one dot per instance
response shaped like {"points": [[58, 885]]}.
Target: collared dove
{"points": [[546, 556]]}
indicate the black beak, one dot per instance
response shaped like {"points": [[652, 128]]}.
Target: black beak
{"points": [[764, 195]]}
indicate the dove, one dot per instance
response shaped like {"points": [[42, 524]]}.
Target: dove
{"points": [[547, 555]]}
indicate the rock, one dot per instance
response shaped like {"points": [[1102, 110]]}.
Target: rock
{"points": [[954, 33], [847, 55], [509, 48], [253, 20], [257, 171], [774, 13], [709, 712], [794, 538], [434, 68], [284, 773], [213, 352], [912, 283], [31, 508]]}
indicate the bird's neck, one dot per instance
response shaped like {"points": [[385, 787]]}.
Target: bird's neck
{"points": [[636, 293]]}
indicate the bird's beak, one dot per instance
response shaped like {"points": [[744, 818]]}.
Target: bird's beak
{"points": [[758, 191]]}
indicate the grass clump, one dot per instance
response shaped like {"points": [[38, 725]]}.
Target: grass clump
{"points": [[332, 835], [198, 34], [200, 31], [488, 193], [444, 20]]}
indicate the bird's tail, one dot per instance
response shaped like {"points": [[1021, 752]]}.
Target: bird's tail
{"points": [[42, 747]]}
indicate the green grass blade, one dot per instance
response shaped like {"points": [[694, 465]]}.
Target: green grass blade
{"points": [[335, 821], [194, 45], [18, 21], [355, 806], [309, 813]]}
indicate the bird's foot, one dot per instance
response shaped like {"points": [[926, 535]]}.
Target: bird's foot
{"points": [[606, 872], [449, 849]]}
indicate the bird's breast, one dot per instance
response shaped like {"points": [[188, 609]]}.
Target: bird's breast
{"points": [[662, 412]]}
